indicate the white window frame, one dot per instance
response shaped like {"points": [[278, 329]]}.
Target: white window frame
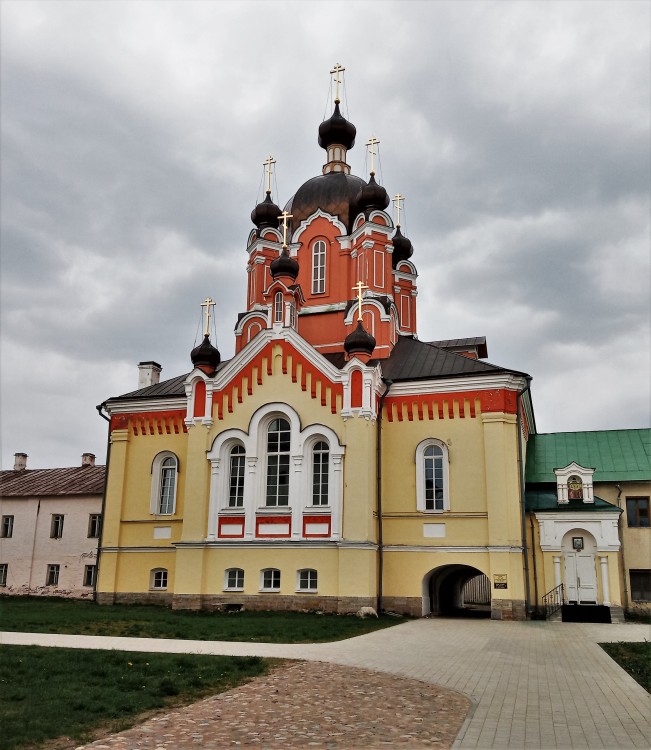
{"points": [[94, 525], [4, 570], [279, 306], [7, 528], [52, 574], [421, 500], [90, 575], [158, 579], [236, 500], [270, 580], [306, 586], [157, 469], [238, 585], [286, 456], [56, 525], [313, 454], [319, 267]]}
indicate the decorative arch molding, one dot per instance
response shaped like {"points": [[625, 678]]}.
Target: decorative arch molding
{"points": [[405, 269], [351, 315], [192, 393], [428, 451], [377, 214], [298, 517], [318, 214], [372, 386], [260, 315]]}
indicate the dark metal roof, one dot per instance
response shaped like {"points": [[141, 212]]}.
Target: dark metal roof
{"points": [[543, 497], [335, 193], [616, 455], [77, 480], [478, 343]]}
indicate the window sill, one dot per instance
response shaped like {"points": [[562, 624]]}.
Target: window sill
{"points": [[272, 510], [238, 588], [268, 591], [161, 589], [307, 591]]}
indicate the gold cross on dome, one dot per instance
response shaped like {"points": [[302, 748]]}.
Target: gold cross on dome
{"points": [[283, 217], [397, 200], [336, 70], [208, 303], [373, 141], [269, 161], [359, 287]]}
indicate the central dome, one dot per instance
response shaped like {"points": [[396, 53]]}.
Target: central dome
{"points": [[334, 193]]}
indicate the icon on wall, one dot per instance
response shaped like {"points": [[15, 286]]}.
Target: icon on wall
{"points": [[577, 542]]}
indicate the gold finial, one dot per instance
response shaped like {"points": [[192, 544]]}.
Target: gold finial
{"points": [[373, 141], [269, 161], [359, 287], [283, 217], [336, 70], [208, 303], [397, 200]]}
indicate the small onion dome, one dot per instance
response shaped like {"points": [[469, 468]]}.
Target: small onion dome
{"points": [[206, 355], [284, 265], [402, 249], [372, 196], [266, 214], [359, 341], [337, 130]]}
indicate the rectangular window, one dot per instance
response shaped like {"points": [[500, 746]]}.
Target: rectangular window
{"points": [[307, 580], [235, 579], [94, 525], [271, 580], [278, 480], [640, 585], [4, 567], [236, 480], [56, 528], [637, 512], [7, 528], [159, 579], [52, 576], [90, 571]]}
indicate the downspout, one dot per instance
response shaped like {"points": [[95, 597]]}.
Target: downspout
{"points": [[102, 407], [533, 557], [378, 490], [620, 533], [527, 585]]}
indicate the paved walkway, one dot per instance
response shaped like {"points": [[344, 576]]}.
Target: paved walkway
{"points": [[533, 684]]}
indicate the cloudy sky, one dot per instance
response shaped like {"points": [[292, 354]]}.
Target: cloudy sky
{"points": [[133, 136]]}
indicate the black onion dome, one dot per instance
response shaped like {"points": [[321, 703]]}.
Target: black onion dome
{"points": [[337, 130], [206, 354], [402, 248], [266, 214], [359, 341], [372, 196], [334, 193], [284, 265]]}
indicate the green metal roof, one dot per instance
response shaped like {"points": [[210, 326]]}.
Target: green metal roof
{"points": [[542, 498], [616, 455]]}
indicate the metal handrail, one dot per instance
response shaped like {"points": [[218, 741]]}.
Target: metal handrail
{"points": [[552, 601]]}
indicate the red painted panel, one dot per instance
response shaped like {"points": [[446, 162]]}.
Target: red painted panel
{"points": [[275, 520], [356, 389], [199, 399], [231, 522], [316, 519]]}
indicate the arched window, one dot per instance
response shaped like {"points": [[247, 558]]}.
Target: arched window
{"points": [[236, 477], [278, 307], [306, 580], [158, 579], [320, 465], [432, 476], [318, 267], [575, 488], [270, 579], [234, 579], [278, 443], [165, 469]]}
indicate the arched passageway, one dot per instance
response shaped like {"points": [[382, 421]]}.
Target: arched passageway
{"points": [[456, 591]]}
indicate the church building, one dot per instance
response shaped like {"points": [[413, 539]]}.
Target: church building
{"points": [[336, 461]]}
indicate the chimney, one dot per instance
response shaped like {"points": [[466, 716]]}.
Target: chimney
{"points": [[88, 459], [148, 374], [20, 461]]}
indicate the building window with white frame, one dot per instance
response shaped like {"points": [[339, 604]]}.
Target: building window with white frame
{"points": [[4, 567], [52, 575], [270, 580], [278, 443], [158, 579], [7, 527], [318, 267], [278, 307], [320, 467], [94, 525], [90, 571], [234, 579], [165, 469], [306, 580], [236, 463], [56, 526], [432, 476]]}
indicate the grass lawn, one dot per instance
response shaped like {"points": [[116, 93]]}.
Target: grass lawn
{"points": [[78, 695], [635, 658], [52, 615]]}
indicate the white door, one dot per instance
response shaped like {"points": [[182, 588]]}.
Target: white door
{"points": [[579, 551]]}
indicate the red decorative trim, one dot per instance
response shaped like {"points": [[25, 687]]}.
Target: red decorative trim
{"points": [[498, 400], [231, 521], [150, 423], [275, 520], [316, 519]]}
